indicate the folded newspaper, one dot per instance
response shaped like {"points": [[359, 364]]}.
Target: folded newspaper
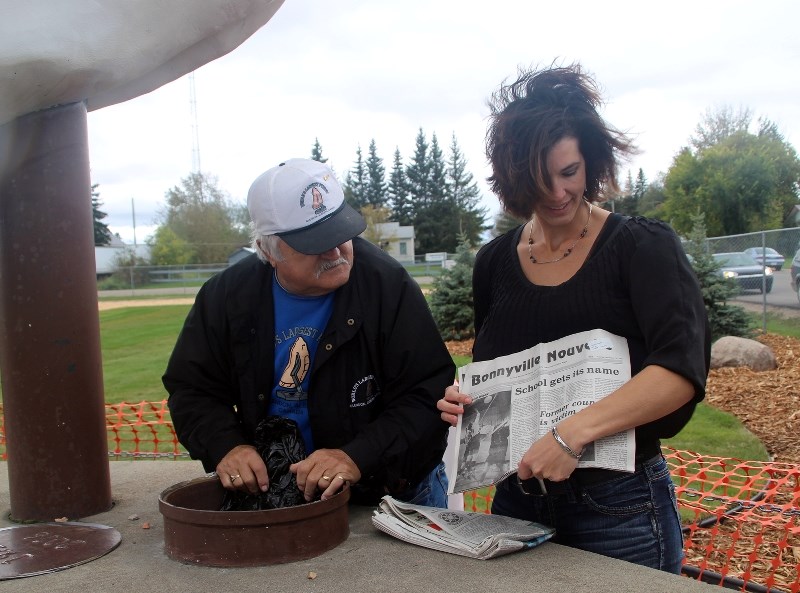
{"points": [[476, 535], [518, 398]]}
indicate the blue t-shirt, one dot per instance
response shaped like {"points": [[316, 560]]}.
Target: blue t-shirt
{"points": [[299, 323]]}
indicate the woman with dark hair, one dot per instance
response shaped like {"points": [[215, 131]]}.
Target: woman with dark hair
{"points": [[574, 267]]}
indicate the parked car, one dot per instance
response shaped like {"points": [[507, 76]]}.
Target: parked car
{"points": [[766, 256], [795, 274], [747, 272]]}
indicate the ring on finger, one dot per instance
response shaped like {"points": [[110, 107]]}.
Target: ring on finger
{"points": [[234, 478], [326, 478]]}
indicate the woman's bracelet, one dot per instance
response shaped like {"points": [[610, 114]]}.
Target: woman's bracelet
{"points": [[565, 446]]}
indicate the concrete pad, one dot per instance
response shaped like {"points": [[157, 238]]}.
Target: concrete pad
{"points": [[369, 561]]}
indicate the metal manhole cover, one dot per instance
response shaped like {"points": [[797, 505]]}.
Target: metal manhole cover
{"points": [[28, 550]]}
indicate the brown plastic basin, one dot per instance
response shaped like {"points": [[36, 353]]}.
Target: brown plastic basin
{"points": [[196, 532]]}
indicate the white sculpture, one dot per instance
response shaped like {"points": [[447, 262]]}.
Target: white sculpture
{"points": [[54, 52]]}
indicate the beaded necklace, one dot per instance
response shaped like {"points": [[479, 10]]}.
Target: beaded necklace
{"points": [[569, 249]]}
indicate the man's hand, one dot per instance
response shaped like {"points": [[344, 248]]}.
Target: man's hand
{"points": [[327, 470], [243, 469]]}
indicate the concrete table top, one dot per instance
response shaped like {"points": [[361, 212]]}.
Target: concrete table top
{"points": [[368, 561]]}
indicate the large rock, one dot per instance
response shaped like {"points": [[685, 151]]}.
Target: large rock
{"points": [[731, 351]]}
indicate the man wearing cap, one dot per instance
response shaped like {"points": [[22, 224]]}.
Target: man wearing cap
{"points": [[322, 327]]}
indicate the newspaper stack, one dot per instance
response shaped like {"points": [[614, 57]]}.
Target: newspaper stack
{"points": [[475, 535]]}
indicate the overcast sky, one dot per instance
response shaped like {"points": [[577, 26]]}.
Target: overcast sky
{"points": [[348, 71]]}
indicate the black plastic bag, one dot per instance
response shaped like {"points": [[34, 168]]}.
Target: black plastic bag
{"points": [[279, 442]]}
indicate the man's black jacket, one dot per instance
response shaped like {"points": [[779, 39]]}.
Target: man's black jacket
{"points": [[378, 371]]}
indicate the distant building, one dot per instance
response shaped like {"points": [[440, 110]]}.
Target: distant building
{"points": [[239, 255], [396, 240], [106, 257]]}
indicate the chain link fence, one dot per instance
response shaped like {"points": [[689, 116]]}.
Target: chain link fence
{"points": [[771, 286], [785, 242], [764, 275], [187, 279]]}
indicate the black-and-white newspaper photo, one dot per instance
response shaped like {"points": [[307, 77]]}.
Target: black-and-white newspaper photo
{"points": [[518, 398]]}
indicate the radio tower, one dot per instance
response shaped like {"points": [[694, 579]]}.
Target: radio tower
{"points": [[195, 132]]}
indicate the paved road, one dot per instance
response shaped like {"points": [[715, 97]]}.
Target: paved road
{"points": [[150, 292], [782, 296], [781, 299]]}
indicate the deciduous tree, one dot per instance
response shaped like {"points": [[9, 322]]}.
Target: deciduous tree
{"points": [[199, 213], [741, 181]]}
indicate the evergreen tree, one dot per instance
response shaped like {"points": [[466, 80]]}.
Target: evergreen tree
{"points": [[652, 199], [464, 193], [316, 152], [418, 173], [504, 221], [627, 203], [375, 188], [724, 319], [402, 207], [451, 300], [355, 183], [640, 186], [437, 190], [102, 236], [436, 216]]}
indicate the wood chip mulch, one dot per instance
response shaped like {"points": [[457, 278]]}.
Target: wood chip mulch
{"points": [[766, 402]]}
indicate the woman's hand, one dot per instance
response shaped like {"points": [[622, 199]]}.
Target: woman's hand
{"points": [[452, 404], [546, 460]]}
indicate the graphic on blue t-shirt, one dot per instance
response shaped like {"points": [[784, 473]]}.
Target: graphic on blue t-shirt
{"points": [[290, 385], [299, 323]]}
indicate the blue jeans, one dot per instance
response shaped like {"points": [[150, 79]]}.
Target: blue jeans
{"points": [[431, 490], [632, 517]]}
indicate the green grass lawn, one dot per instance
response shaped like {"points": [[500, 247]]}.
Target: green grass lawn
{"points": [[136, 343]]}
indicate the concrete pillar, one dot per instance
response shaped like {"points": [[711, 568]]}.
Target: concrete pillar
{"points": [[50, 362]]}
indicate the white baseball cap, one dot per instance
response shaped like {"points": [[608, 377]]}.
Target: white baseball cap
{"points": [[302, 202]]}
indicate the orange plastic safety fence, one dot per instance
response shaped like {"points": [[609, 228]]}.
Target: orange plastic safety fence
{"points": [[135, 431], [741, 518], [142, 430]]}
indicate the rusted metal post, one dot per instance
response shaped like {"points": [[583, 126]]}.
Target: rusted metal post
{"points": [[50, 361]]}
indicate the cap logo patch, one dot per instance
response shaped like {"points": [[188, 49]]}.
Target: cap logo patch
{"points": [[317, 199]]}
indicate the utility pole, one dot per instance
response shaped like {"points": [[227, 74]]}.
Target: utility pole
{"points": [[195, 131], [133, 218]]}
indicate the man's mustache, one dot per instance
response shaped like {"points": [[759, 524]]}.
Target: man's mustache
{"points": [[329, 265]]}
